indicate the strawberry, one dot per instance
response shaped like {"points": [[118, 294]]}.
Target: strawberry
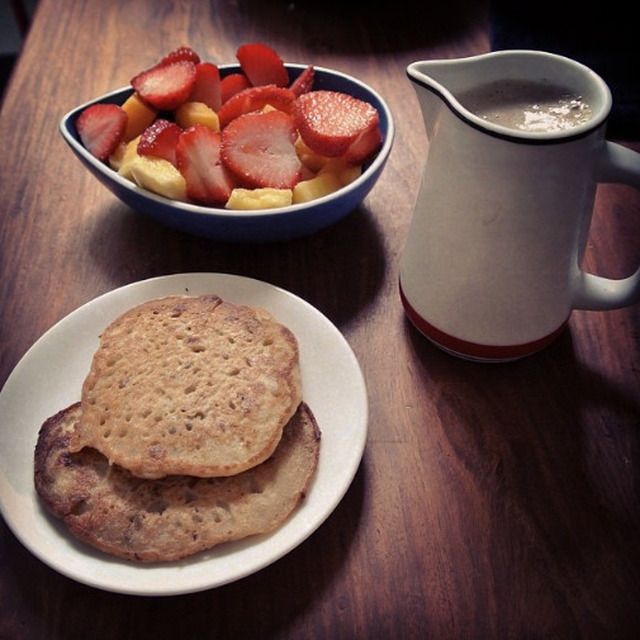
{"points": [[330, 121], [262, 65], [166, 86], [207, 86], [304, 82], [198, 157], [181, 53], [160, 140], [254, 99], [232, 84], [259, 149], [364, 146], [101, 128]]}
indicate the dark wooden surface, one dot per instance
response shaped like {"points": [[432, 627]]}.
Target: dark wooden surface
{"points": [[492, 501]]}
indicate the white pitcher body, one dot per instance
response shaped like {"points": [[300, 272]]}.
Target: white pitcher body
{"points": [[491, 267]]}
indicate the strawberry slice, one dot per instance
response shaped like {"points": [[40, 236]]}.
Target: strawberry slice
{"points": [[166, 86], [232, 84], [160, 140], [101, 128], [181, 53], [254, 99], [330, 121], [259, 149], [364, 146], [207, 86], [262, 65], [304, 82], [198, 156]]}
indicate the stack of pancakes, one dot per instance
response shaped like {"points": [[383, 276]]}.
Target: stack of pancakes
{"points": [[190, 431]]}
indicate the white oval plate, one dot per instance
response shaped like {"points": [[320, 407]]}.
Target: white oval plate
{"points": [[49, 378]]}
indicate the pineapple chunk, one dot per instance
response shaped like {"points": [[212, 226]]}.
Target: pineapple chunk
{"points": [[191, 113], [123, 156], [310, 159], [321, 185], [116, 158], [345, 171], [317, 163], [158, 175], [264, 198], [139, 116]]}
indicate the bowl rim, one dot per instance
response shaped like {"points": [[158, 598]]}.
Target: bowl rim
{"points": [[66, 126]]}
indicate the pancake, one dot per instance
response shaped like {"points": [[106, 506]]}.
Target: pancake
{"points": [[189, 385], [173, 517]]}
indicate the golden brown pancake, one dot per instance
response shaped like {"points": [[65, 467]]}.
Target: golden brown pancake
{"points": [[173, 517], [190, 385]]}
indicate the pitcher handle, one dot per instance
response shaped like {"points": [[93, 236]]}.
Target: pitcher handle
{"points": [[619, 165]]}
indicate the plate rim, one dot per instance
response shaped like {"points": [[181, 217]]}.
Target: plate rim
{"points": [[301, 524]]}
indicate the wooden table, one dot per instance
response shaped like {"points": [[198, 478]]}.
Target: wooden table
{"points": [[492, 501]]}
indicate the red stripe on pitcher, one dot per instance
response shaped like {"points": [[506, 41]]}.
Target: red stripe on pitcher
{"points": [[473, 350]]}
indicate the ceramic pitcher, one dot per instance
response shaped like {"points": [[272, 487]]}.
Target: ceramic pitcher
{"points": [[492, 264]]}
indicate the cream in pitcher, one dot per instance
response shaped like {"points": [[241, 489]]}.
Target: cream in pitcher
{"points": [[491, 267], [527, 105]]}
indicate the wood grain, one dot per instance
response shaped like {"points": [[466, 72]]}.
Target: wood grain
{"points": [[492, 501]]}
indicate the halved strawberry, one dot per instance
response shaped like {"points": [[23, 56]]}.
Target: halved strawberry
{"points": [[330, 121], [198, 156], [181, 53], [160, 140], [207, 86], [101, 128], [256, 98], [232, 84], [304, 82], [259, 149], [262, 65], [364, 146], [166, 86]]}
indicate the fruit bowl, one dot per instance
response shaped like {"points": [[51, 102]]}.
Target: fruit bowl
{"points": [[257, 226]]}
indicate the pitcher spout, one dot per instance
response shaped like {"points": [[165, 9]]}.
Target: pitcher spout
{"points": [[438, 83], [450, 77]]}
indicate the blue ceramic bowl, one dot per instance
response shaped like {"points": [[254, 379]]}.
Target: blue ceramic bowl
{"points": [[266, 225]]}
